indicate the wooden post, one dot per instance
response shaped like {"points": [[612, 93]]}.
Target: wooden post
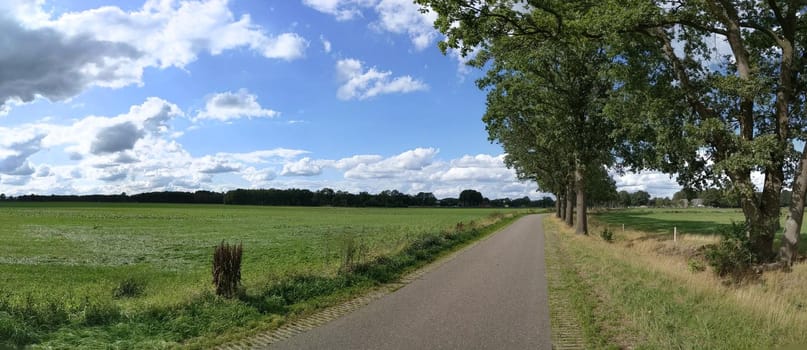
{"points": [[623, 228], [675, 234]]}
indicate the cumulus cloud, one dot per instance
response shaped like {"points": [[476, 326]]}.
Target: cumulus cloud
{"points": [[116, 138], [404, 17], [326, 45], [360, 83], [216, 165], [45, 62], [98, 135], [15, 152], [233, 105], [113, 176], [656, 183], [411, 160], [303, 167], [394, 16], [343, 10], [57, 58], [258, 176]]}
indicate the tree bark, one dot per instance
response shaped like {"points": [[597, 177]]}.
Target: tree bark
{"points": [[789, 251], [562, 205], [557, 206], [581, 227], [569, 206]]}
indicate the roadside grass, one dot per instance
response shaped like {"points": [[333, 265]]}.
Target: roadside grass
{"points": [[647, 297], [132, 276]]}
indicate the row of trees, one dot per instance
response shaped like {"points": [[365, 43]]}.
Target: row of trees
{"points": [[299, 197], [576, 86]]}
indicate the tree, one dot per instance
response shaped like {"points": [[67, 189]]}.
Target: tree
{"points": [[426, 199], [716, 119], [687, 111], [544, 106], [470, 198], [640, 198]]}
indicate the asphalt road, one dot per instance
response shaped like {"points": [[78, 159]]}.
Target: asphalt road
{"points": [[492, 296]]}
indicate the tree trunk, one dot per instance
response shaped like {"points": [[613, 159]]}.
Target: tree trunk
{"points": [[557, 206], [562, 205], [790, 242], [760, 219], [569, 207], [581, 227]]}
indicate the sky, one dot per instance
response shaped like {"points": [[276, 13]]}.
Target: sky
{"points": [[138, 96]]}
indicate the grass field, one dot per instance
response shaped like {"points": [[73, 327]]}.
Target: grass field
{"points": [[637, 293], [699, 221], [63, 263]]}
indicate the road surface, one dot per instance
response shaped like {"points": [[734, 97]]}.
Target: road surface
{"points": [[492, 296]]}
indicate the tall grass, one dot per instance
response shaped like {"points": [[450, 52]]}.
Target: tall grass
{"points": [[654, 300], [227, 269]]}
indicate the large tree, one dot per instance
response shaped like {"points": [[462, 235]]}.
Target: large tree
{"points": [[545, 106], [709, 116]]}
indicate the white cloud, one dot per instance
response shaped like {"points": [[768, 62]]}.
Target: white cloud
{"points": [[394, 16], [404, 16], [343, 10], [233, 105], [358, 83], [656, 183], [57, 58], [411, 160], [326, 45], [303, 167]]}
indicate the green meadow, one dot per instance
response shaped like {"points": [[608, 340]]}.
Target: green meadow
{"points": [[698, 221], [138, 275]]}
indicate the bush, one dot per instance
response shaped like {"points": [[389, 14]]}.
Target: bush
{"points": [[129, 288], [227, 269], [607, 235], [733, 256], [695, 265]]}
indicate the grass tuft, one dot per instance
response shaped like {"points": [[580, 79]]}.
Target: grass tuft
{"points": [[227, 269]]}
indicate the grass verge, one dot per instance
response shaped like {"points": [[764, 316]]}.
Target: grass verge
{"points": [[631, 296]]}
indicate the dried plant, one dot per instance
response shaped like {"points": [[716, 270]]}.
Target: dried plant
{"points": [[227, 269]]}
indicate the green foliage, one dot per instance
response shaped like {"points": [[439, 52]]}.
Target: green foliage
{"points": [[695, 265], [607, 235], [227, 269], [734, 255]]}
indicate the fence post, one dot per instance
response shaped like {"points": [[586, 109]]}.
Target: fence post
{"points": [[675, 234]]}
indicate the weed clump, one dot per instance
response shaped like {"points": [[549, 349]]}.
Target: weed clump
{"points": [[695, 265], [353, 254], [607, 235], [129, 288], [733, 256], [227, 269]]}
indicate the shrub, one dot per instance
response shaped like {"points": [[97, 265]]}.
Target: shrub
{"points": [[607, 235], [129, 288], [227, 269], [733, 255], [695, 265]]}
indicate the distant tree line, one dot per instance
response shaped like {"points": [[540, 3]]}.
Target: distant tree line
{"points": [[297, 197]]}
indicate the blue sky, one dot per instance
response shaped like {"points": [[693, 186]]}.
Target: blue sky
{"points": [[104, 97]]}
